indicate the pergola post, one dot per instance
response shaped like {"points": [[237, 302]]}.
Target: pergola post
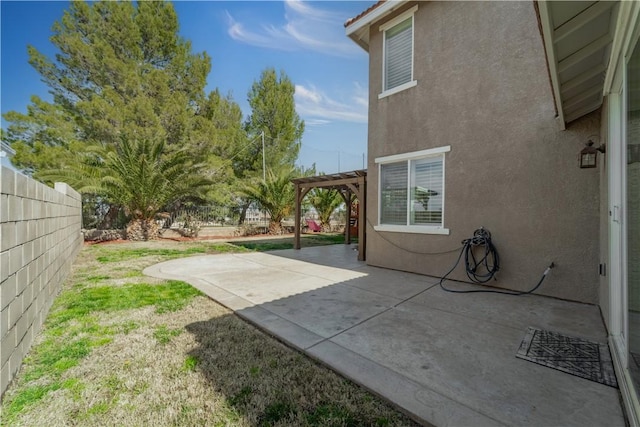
{"points": [[347, 227], [348, 184], [296, 239], [362, 218]]}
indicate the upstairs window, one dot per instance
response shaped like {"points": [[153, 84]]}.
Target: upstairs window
{"points": [[398, 53]]}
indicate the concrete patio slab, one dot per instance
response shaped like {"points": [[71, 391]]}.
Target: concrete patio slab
{"points": [[473, 362], [423, 403], [582, 320], [446, 359], [331, 310], [288, 331]]}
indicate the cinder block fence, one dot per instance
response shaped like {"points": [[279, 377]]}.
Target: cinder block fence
{"points": [[40, 235]]}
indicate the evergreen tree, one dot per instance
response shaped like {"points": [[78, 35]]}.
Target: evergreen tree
{"points": [[121, 71], [273, 112]]}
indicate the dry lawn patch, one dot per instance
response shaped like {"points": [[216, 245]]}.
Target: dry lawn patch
{"points": [[122, 349]]}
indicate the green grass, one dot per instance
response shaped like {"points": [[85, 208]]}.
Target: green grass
{"points": [[276, 412], [80, 302], [28, 396], [331, 414], [126, 327], [163, 335], [72, 330], [128, 254], [97, 279], [111, 254], [31, 395], [190, 364], [169, 296], [263, 245], [328, 239], [76, 369], [61, 351], [114, 254], [242, 397], [223, 248]]}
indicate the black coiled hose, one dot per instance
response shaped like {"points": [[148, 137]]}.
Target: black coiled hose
{"points": [[482, 263], [480, 257]]}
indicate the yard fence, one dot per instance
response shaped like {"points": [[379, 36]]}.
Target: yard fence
{"points": [[206, 216], [40, 237]]}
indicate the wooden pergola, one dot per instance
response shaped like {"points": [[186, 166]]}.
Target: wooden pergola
{"points": [[347, 184]]}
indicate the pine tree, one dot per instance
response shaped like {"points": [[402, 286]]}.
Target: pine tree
{"points": [[273, 112], [122, 71]]}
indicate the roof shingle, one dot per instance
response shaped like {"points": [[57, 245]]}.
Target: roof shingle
{"points": [[365, 13]]}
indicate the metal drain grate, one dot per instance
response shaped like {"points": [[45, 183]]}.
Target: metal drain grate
{"points": [[575, 356]]}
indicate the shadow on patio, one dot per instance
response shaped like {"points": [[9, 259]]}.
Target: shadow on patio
{"points": [[446, 359]]}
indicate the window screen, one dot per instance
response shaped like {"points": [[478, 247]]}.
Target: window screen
{"points": [[398, 54]]}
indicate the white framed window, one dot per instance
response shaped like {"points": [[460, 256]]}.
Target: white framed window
{"points": [[397, 57], [411, 192]]}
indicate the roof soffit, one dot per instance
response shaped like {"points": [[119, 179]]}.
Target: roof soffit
{"points": [[357, 28], [578, 36]]}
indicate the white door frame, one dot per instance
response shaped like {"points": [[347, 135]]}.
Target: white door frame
{"points": [[625, 39]]}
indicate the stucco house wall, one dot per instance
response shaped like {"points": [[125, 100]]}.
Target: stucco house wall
{"points": [[603, 285], [483, 88]]}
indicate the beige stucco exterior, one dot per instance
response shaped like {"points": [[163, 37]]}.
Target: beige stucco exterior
{"points": [[483, 88], [604, 285]]}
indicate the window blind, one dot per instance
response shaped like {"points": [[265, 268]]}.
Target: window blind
{"points": [[393, 193], [398, 54], [426, 191]]}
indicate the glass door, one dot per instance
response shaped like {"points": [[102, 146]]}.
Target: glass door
{"points": [[632, 211]]}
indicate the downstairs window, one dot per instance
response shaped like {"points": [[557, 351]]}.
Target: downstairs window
{"points": [[411, 192]]}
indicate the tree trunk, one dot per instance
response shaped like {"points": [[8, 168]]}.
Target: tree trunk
{"points": [[143, 229], [275, 228], [110, 218], [243, 213]]}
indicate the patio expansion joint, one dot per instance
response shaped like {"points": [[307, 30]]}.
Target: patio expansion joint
{"points": [[416, 384], [521, 328], [374, 315], [471, 317]]}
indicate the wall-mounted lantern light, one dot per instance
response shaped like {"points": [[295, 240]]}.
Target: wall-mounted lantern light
{"points": [[589, 155]]}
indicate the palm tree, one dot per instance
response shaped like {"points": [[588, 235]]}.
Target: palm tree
{"points": [[143, 179], [276, 194], [325, 202], [139, 176]]}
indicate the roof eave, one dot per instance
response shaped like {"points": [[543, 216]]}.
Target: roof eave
{"points": [[547, 37], [358, 31], [361, 38], [581, 39]]}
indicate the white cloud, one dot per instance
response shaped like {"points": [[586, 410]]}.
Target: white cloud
{"points": [[237, 31], [306, 9], [305, 28], [314, 105], [361, 96], [316, 122]]}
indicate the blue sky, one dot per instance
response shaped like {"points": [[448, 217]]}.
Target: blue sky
{"points": [[305, 39]]}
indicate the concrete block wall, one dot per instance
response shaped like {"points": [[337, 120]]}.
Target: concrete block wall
{"points": [[40, 237]]}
